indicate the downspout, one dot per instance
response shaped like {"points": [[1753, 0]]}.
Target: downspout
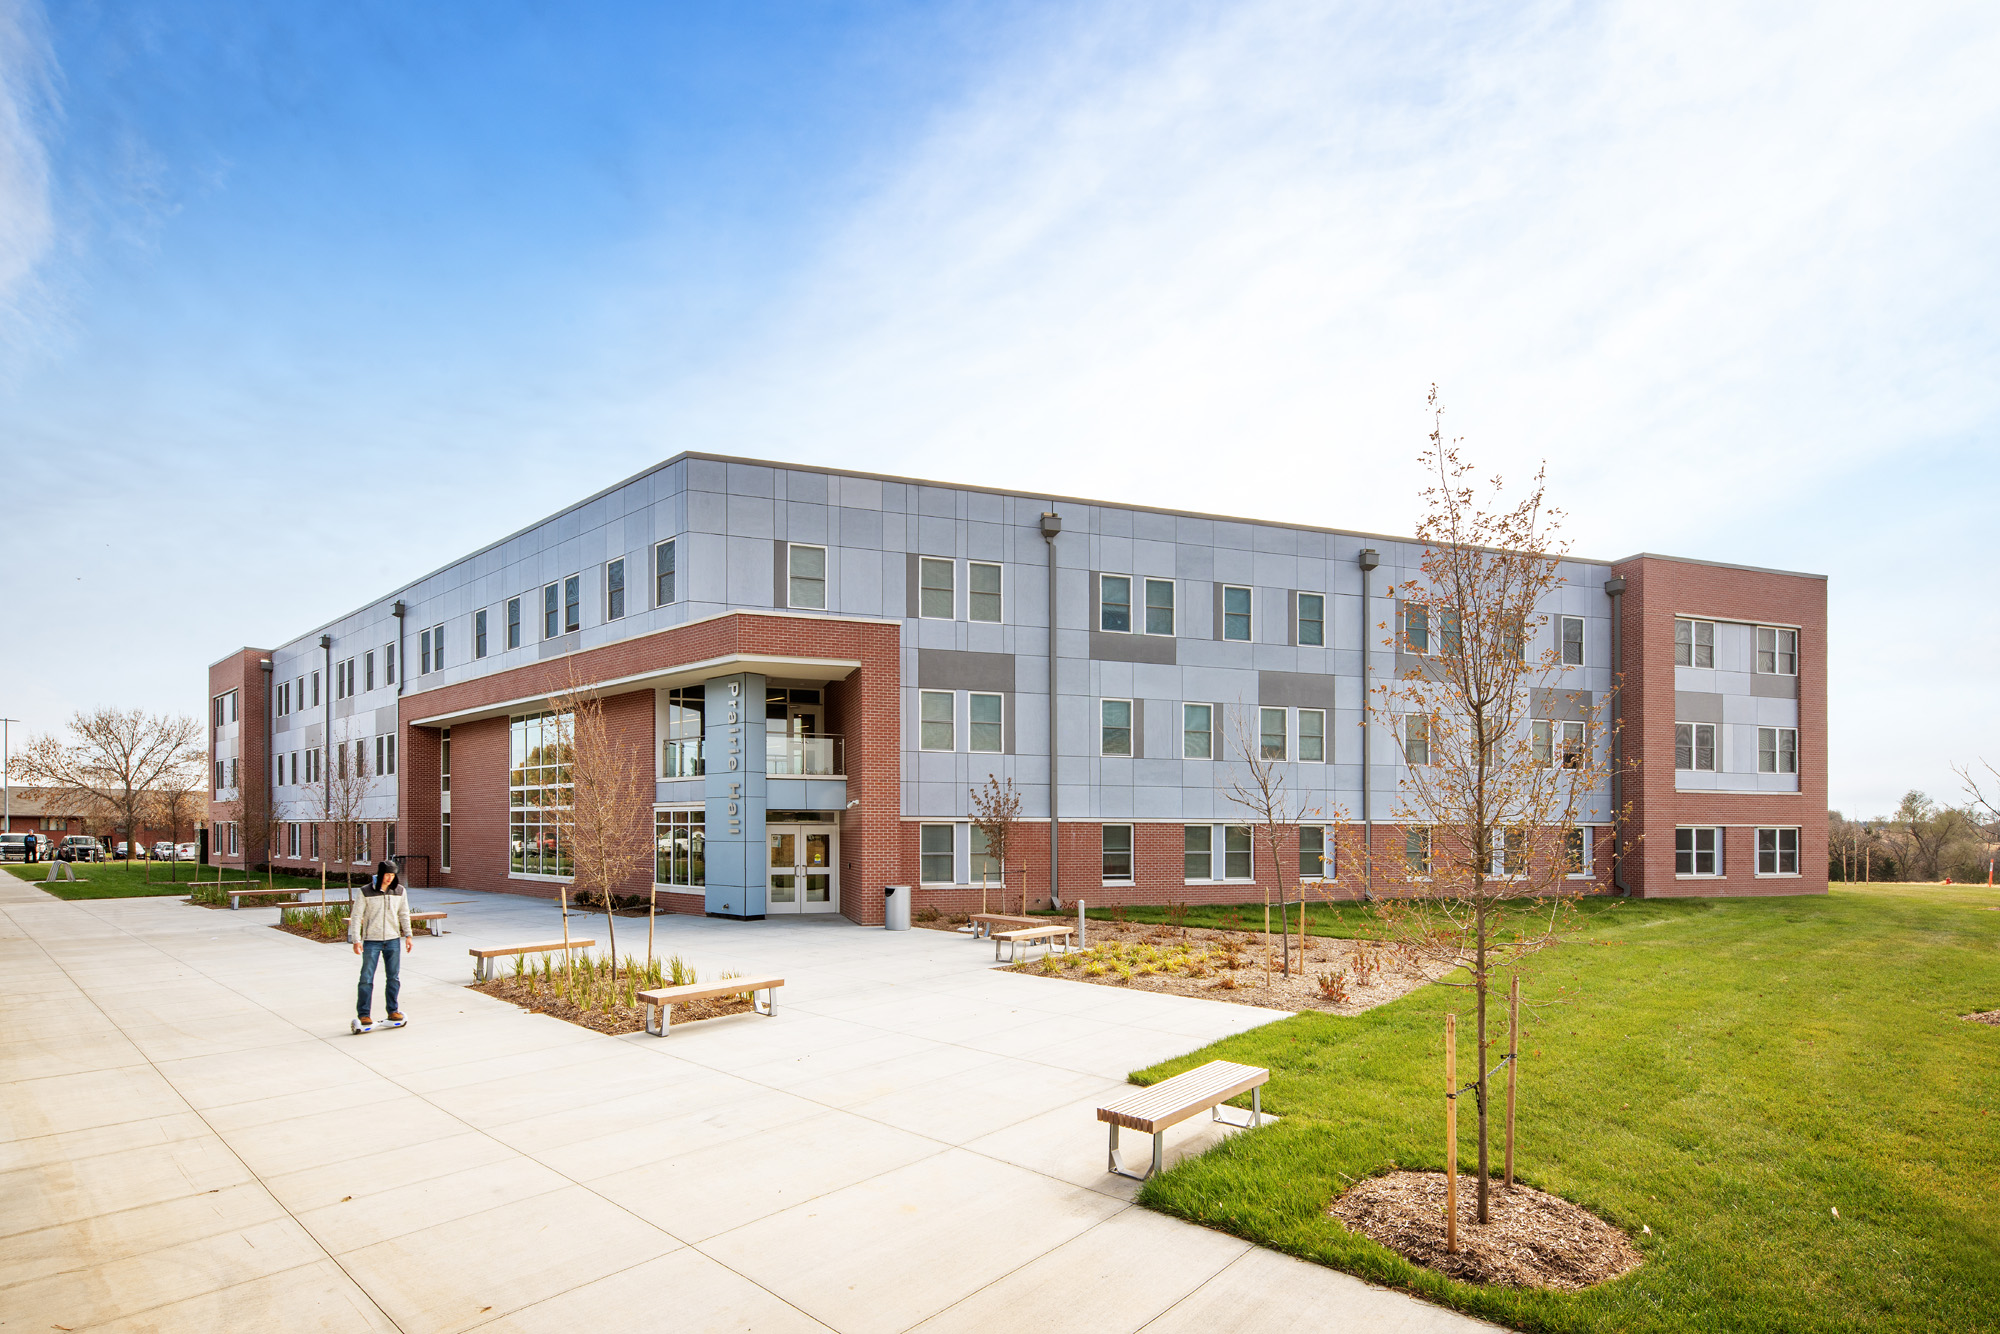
{"points": [[270, 755], [1614, 588], [1051, 525], [1369, 559], [326, 727], [397, 609]]}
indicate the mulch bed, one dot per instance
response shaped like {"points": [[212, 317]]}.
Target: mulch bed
{"points": [[306, 932], [1535, 1240], [1984, 1017], [621, 1019]]}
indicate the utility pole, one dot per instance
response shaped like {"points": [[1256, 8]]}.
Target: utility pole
{"points": [[6, 775]]}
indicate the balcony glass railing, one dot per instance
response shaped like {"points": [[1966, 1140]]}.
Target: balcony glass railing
{"points": [[681, 758], [803, 756]]}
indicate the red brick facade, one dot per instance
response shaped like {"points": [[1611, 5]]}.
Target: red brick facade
{"points": [[245, 673]]}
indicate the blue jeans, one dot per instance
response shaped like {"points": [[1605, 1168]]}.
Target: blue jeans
{"points": [[390, 952]]}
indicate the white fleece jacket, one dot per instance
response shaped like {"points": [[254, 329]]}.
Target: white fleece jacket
{"points": [[379, 916]]}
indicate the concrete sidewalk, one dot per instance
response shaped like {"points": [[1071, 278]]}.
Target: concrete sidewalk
{"points": [[191, 1139]]}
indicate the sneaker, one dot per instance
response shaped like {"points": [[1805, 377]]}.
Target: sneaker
{"points": [[395, 1016]]}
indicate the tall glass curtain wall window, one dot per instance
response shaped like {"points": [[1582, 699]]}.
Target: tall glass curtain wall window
{"points": [[538, 793], [679, 860], [680, 749]]}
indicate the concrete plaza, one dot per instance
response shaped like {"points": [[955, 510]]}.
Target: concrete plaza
{"points": [[191, 1139]]}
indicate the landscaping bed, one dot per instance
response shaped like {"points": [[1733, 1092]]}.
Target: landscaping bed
{"points": [[586, 994]]}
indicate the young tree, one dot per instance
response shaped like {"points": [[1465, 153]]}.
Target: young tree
{"points": [[174, 804], [344, 787], [1257, 784], [605, 823], [110, 762], [996, 809], [1502, 763]]}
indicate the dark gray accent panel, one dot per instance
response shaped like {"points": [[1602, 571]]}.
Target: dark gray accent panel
{"points": [[1295, 690], [1697, 706], [956, 669], [1569, 705], [1292, 617], [1007, 724], [343, 708], [386, 720], [1765, 685], [911, 588], [561, 644], [1421, 663], [1138, 729], [1115, 647], [1216, 629], [781, 567]]}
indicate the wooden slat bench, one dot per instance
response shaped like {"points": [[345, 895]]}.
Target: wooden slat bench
{"points": [[1171, 1101], [238, 894], [985, 923], [482, 960], [432, 920], [1017, 941], [660, 1003]]}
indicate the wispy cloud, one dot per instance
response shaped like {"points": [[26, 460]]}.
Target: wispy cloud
{"points": [[27, 106]]}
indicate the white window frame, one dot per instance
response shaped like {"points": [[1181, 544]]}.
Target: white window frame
{"points": [[552, 610], [1303, 758], [617, 586], [512, 635], [1410, 738], [925, 857], [479, 644], [1694, 749], [1284, 734], [1777, 752], [572, 583], [1249, 614], [1172, 608], [1497, 869], [1423, 834], [1103, 726], [1187, 731], [792, 576], [1694, 644], [1563, 623], [1694, 852], [1777, 852], [925, 723], [672, 573], [1779, 654], [1587, 835], [1000, 724], [950, 589], [1299, 619], [999, 595], [1131, 854], [1101, 627], [1328, 849]]}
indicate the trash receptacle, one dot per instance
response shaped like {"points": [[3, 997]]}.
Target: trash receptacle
{"points": [[896, 907]]}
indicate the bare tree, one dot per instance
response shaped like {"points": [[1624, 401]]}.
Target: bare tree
{"points": [[172, 804], [1982, 794], [110, 761], [996, 809], [605, 823], [345, 785], [1258, 786], [1922, 833], [1500, 761]]}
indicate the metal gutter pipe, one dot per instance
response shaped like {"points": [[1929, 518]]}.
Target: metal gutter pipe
{"points": [[1051, 526], [1614, 588]]}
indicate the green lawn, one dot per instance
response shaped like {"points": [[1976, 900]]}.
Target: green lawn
{"points": [[117, 880], [1346, 919], [1726, 1072]]}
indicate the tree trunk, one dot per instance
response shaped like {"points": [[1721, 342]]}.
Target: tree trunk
{"points": [[1479, 984]]}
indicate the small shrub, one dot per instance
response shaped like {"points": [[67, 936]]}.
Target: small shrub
{"points": [[1177, 917], [1226, 982], [1095, 968], [1333, 986], [680, 973], [1118, 913], [1051, 964], [927, 914], [212, 895]]}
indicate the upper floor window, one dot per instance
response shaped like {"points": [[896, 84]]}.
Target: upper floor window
{"points": [[573, 604], [1312, 618], [423, 652], [1777, 750], [987, 732], [1698, 851], [1416, 628], [680, 750], [1777, 651], [368, 670], [937, 729], [614, 589], [1197, 731], [1271, 733], [1114, 603], [1312, 736], [1777, 852], [513, 622], [1694, 746], [389, 663], [1159, 606], [983, 591], [1416, 738], [437, 648], [805, 576], [315, 690], [1115, 730], [1571, 628], [937, 599], [1694, 643], [551, 610], [1547, 740], [663, 574], [479, 633], [1235, 613]]}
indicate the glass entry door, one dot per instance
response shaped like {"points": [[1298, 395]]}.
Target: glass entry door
{"points": [[803, 865]]}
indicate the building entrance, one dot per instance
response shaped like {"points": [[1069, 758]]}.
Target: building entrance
{"points": [[802, 862]]}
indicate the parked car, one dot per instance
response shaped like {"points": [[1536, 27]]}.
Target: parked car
{"points": [[81, 848], [13, 847], [187, 852], [125, 851], [161, 852]]}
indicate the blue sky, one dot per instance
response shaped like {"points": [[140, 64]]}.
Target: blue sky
{"points": [[298, 300]]}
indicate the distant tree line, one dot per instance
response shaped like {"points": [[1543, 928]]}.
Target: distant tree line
{"points": [[1921, 840]]}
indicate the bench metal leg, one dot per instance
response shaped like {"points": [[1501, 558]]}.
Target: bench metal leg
{"points": [[769, 1008], [1256, 1111], [1118, 1167], [658, 1018]]}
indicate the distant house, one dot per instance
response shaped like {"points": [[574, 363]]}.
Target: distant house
{"points": [[51, 819]]}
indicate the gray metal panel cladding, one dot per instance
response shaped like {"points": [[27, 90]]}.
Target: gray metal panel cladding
{"points": [[913, 585], [958, 669], [1114, 647], [781, 587], [1295, 690], [1767, 686], [1697, 706], [1565, 705]]}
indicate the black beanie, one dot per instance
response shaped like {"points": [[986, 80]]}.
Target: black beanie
{"points": [[385, 868]]}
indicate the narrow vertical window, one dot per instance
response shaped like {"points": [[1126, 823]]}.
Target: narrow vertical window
{"points": [[1115, 730], [663, 574], [572, 604], [937, 600], [1116, 842], [1236, 613], [982, 584], [1159, 606], [392, 753], [1416, 738], [987, 732], [1572, 640], [381, 756], [936, 724], [444, 841], [1572, 745], [437, 648], [479, 633], [1541, 744], [1312, 619], [551, 611], [1197, 852], [315, 690], [935, 854], [1271, 733], [806, 577], [1197, 731], [513, 622], [1576, 850], [1315, 858], [389, 663], [1416, 628], [614, 589], [368, 670], [423, 652], [1114, 603], [1417, 850], [1236, 852], [1312, 736]]}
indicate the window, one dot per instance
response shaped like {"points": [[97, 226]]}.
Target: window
{"points": [[1271, 733], [1236, 852], [1540, 744], [937, 600], [1451, 632], [479, 633], [1694, 746], [680, 849], [1698, 851], [295, 767], [389, 841], [1159, 606], [444, 841], [392, 753], [1197, 852], [1777, 750], [234, 847], [1777, 651], [935, 842], [572, 607], [315, 690], [444, 759], [1315, 853], [680, 750], [1416, 738], [368, 670], [1197, 731], [1312, 618], [983, 585], [1576, 850], [231, 697], [361, 841], [1416, 628], [937, 720], [806, 573], [1777, 852], [1115, 732], [986, 868], [1573, 750], [1114, 603], [381, 756], [218, 775], [1235, 613], [1312, 736], [1510, 852], [437, 648], [423, 653], [538, 788], [986, 719], [1694, 643], [292, 841], [513, 622], [614, 589], [389, 664], [551, 611], [1417, 850], [1571, 628], [1117, 844], [663, 574]]}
